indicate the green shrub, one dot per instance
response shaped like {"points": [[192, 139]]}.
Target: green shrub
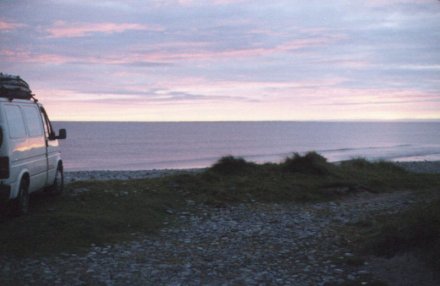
{"points": [[230, 165], [311, 163]]}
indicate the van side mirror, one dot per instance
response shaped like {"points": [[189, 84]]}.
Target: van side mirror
{"points": [[62, 134]]}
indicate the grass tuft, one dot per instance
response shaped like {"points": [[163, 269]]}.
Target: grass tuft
{"points": [[311, 163]]}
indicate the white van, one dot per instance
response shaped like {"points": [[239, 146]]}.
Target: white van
{"points": [[30, 159]]}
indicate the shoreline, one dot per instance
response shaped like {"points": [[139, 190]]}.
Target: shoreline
{"points": [[431, 167]]}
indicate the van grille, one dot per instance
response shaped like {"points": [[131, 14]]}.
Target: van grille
{"points": [[4, 167]]}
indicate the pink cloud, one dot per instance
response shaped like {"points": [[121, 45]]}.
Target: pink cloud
{"points": [[165, 53], [63, 30], [23, 56], [205, 85], [340, 96], [8, 26], [347, 63]]}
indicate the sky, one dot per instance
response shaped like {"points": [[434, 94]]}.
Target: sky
{"points": [[225, 60]]}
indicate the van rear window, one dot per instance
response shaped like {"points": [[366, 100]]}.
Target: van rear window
{"points": [[15, 122], [33, 121]]}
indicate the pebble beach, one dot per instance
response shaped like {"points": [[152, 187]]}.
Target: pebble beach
{"points": [[244, 244], [432, 167], [72, 176]]}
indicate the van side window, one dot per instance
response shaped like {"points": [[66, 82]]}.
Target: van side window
{"points": [[33, 121], [46, 129], [15, 122], [47, 126]]}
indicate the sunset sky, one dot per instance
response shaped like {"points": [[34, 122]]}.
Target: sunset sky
{"points": [[226, 60]]}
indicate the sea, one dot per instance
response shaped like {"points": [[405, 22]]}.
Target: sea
{"points": [[182, 145]]}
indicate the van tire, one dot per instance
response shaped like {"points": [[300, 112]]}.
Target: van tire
{"points": [[20, 205], [58, 184]]}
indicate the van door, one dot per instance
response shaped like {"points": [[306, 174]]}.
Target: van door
{"points": [[52, 148], [36, 147]]}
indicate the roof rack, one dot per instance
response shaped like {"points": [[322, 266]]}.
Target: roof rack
{"points": [[14, 87]]}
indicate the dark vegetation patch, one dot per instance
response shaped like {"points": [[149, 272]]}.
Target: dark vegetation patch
{"points": [[101, 212], [311, 163], [416, 230], [90, 212], [233, 166]]}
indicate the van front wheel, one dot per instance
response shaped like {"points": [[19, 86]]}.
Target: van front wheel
{"points": [[58, 183]]}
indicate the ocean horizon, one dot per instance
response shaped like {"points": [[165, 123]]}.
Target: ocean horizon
{"points": [[98, 145]]}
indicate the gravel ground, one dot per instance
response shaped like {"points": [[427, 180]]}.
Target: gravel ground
{"points": [[245, 244]]}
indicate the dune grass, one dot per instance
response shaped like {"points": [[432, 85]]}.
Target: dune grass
{"points": [[306, 177], [99, 212], [233, 166]]}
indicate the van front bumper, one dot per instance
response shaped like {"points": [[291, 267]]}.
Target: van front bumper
{"points": [[5, 193]]}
